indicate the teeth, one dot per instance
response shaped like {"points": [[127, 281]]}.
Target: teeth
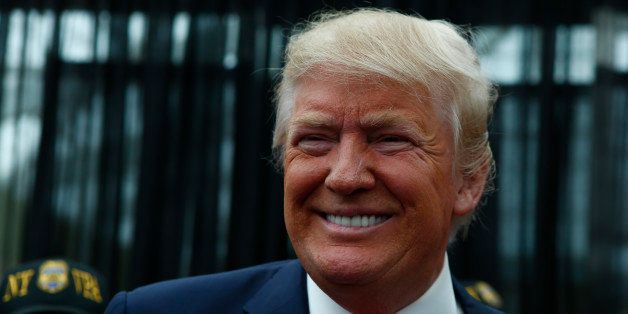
{"points": [[356, 221], [345, 221]]}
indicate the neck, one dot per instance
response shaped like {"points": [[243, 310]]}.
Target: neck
{"points": [[386, 295]]}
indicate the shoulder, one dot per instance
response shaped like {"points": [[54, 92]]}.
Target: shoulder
{"points": [[468, 303], [221, 292]]}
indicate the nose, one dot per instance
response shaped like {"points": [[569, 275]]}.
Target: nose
{"points": [[350, 171]]}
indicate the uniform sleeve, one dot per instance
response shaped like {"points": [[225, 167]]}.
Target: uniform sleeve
{"points": [[117, 305]]}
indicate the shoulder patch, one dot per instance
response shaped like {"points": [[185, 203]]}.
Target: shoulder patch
{"points": [[484, 293]]}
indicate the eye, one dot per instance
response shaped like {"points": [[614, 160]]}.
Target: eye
{"points": [[315, 144], [390, 144], [391, 139]]}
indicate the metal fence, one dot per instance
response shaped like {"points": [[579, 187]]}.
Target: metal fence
{"points": [[135, 137]]}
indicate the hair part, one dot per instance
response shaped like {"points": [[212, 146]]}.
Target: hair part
{"points": [[367, 43]]}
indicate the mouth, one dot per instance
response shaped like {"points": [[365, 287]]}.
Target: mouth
{"points": [[357, 221]]}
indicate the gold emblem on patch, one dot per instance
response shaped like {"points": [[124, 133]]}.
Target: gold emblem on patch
{"points": [[53, 276]]}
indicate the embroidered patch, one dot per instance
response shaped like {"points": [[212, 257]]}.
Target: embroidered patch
{"points": [[53, 276]]}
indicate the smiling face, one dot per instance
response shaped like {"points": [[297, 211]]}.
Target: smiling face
{"points": [[369, 185]]}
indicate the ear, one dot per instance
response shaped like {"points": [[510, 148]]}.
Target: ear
{"points": [[470, 191]]}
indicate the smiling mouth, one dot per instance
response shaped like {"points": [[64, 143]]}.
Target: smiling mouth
{"points": [[361, 221]]}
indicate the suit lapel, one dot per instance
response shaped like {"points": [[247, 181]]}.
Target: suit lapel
{"points": [[285, 292]]}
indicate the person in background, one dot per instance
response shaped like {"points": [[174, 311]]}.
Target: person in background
{"points": [[381, 133], [53, 286]]}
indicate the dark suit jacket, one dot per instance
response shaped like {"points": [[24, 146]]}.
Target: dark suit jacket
{"points": [[278, 287]]}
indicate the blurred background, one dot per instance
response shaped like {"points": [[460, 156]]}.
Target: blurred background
{"points": [[135, 137]]}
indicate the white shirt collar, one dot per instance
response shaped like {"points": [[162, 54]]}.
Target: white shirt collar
{"points": [[439, 298]]}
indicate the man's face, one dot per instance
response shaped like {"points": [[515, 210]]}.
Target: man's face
{"points": [[369, 187]]}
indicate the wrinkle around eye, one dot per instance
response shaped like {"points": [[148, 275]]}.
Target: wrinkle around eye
{"points": [[315, 145], [393, 147], [390, 144]]}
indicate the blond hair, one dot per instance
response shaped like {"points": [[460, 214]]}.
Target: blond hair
{"points": [[407, 49]]}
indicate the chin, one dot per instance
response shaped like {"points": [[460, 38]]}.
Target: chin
{"points": [[345, 266]]}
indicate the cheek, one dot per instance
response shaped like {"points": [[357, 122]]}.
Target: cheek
{"points": [[301, 177], [422, 188]]}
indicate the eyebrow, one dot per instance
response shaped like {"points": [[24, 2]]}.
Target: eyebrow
{"points": [[387, 120], [394, 120], [314, 119], [378, 120]]}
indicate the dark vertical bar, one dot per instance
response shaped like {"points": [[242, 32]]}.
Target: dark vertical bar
{"points": [[40, 212], [173, 120], [608, 236], [158, 228], [203, 89], [189, 156], [272, 183], [107, 252], [273, 246], [555, 115], [94, 85], [208, 95], [245, 226], [153, 195], [110, 176]]}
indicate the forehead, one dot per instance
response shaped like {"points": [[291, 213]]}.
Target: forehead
{"points": [[370, 101]]}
